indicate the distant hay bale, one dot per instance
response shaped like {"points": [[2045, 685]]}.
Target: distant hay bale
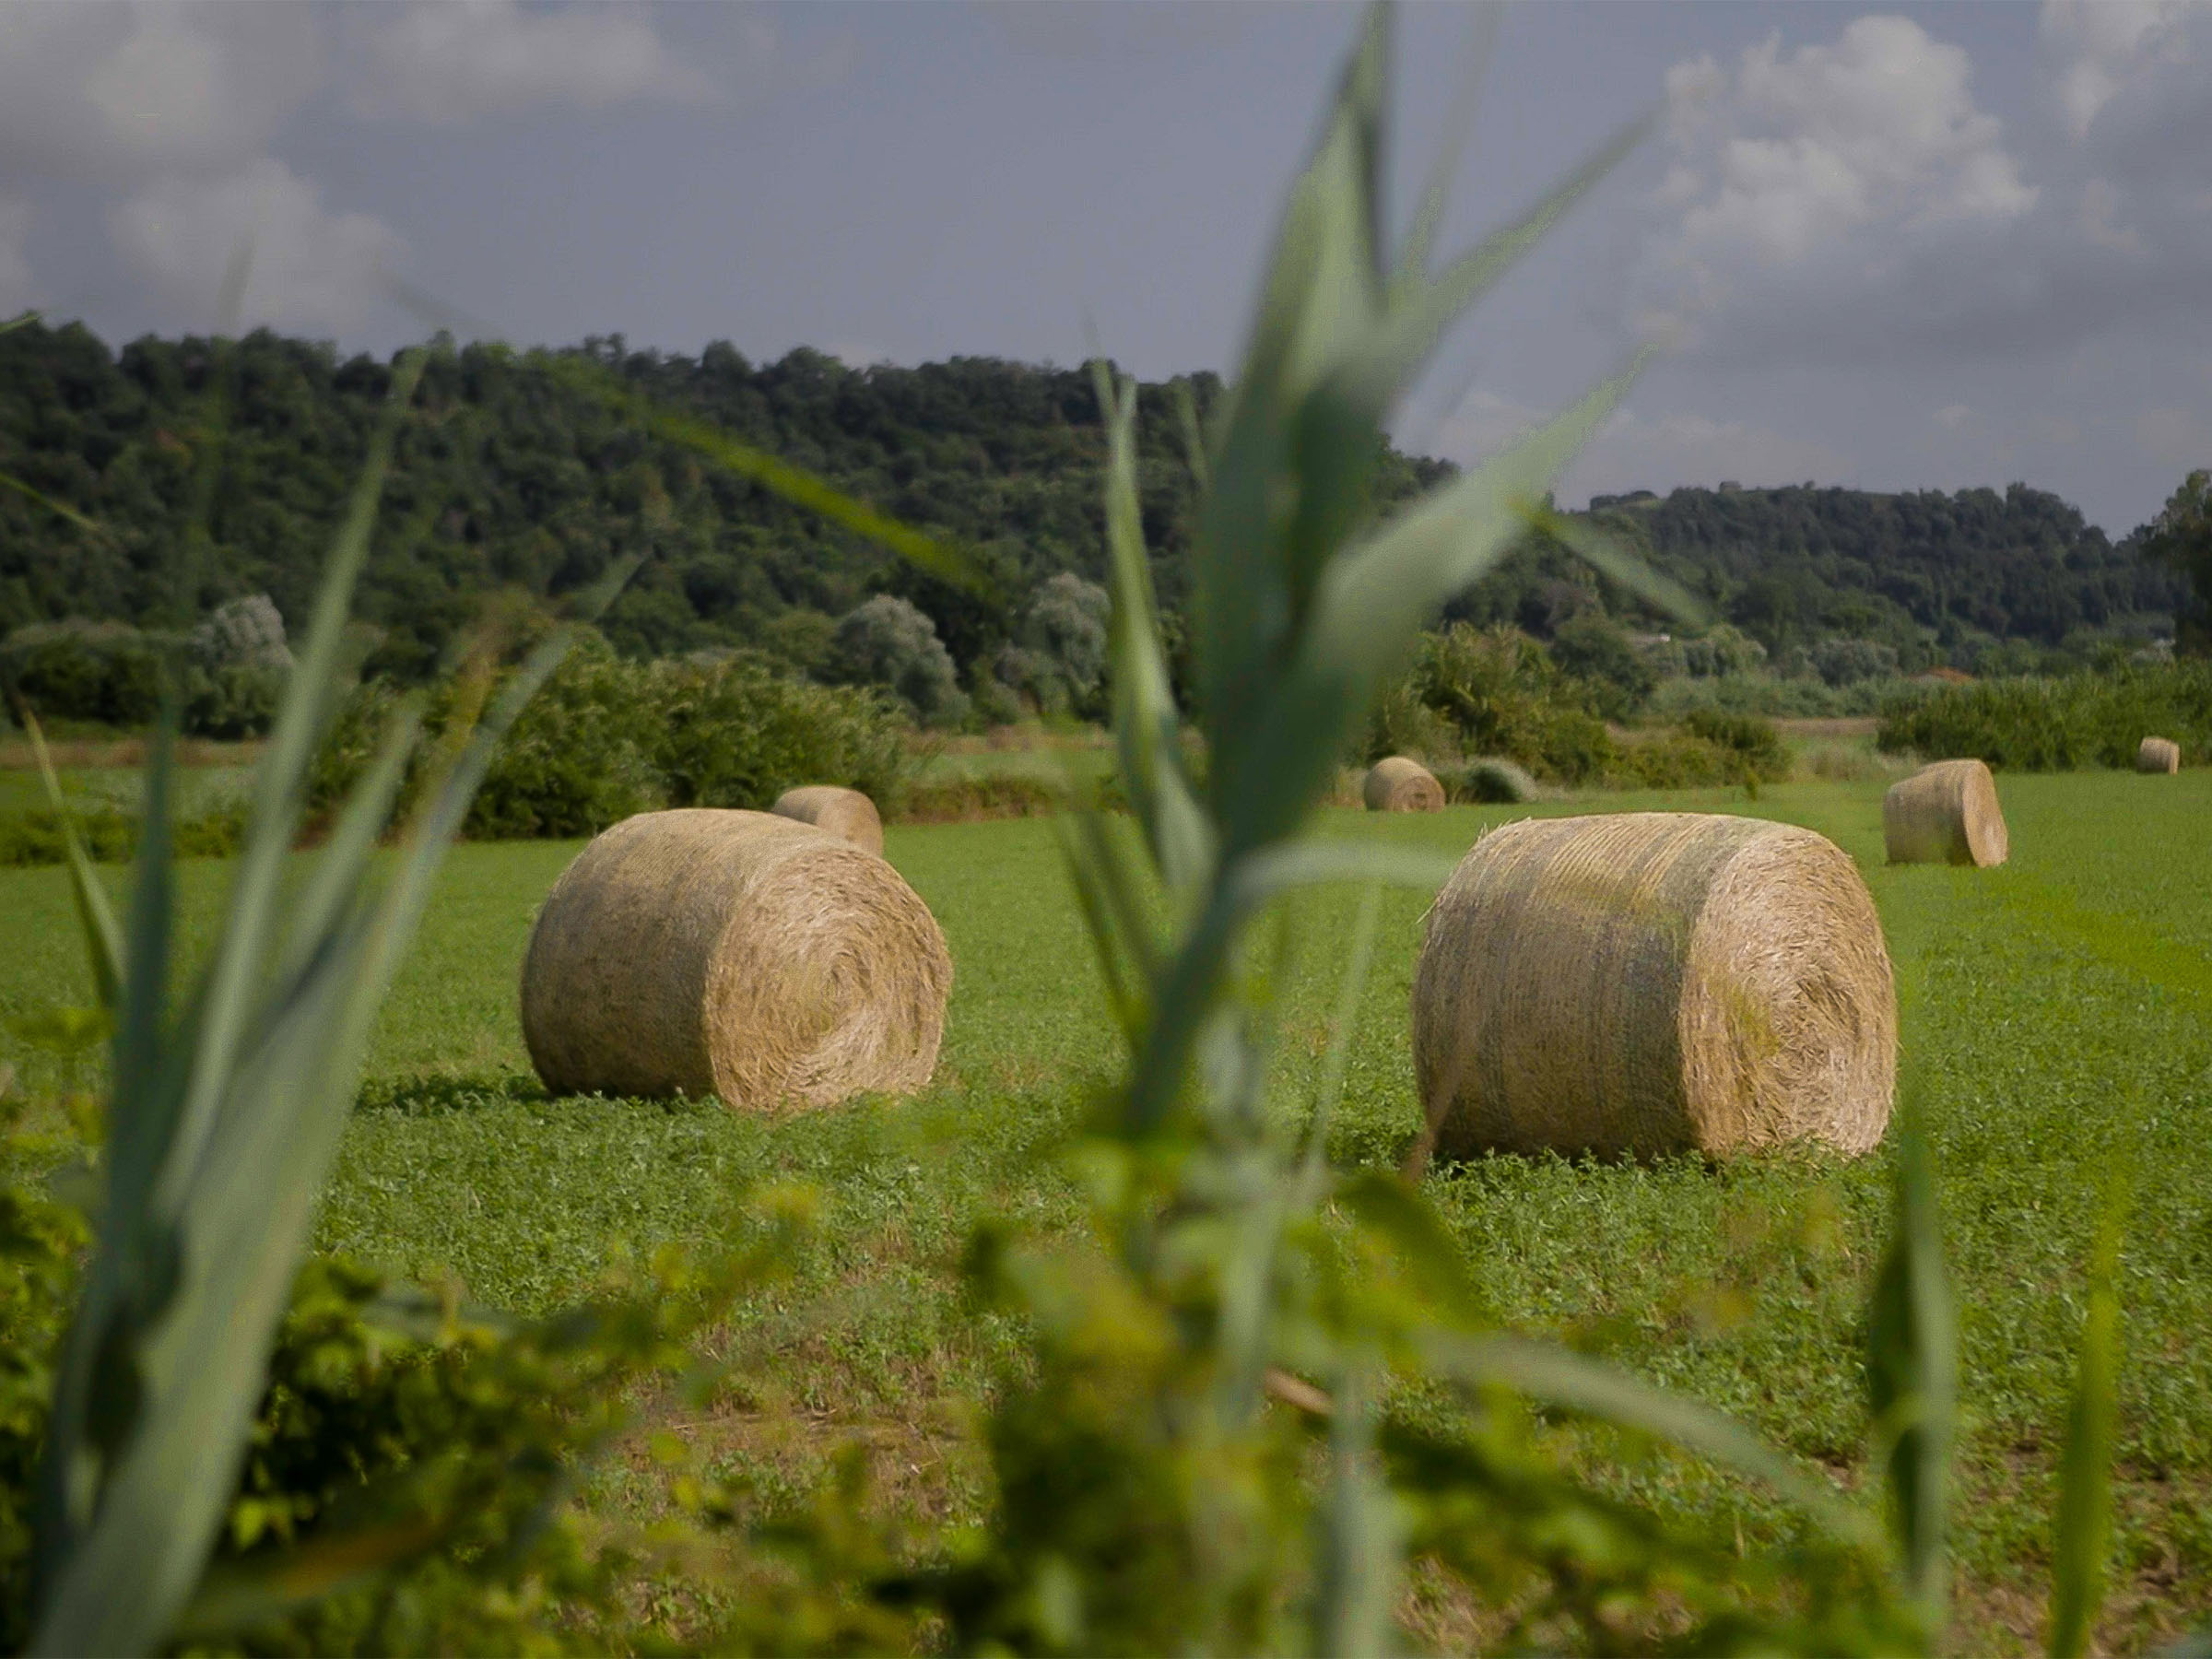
{"points": [[2159, 755], [737, 954], [1399, 785], [1946, 813], [846, 813], [1493, 779], [1648, 982]]}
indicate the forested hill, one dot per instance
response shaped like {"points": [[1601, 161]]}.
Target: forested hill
{"points": [[510, 473], [1801, 561]]}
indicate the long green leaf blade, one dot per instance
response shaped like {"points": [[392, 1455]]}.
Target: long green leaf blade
{"points": [[103, 939], [2085, 1502], [1913, 1375]]}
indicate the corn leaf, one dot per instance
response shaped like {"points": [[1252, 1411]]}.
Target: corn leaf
{"points": [[1913, 1375], [2085, 1502], [1147, 726], [103, 939], [1545, 1371]]}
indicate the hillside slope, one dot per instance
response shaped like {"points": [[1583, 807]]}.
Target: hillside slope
{"points": [[509, 474]]}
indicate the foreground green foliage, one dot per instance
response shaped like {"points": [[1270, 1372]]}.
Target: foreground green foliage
{"points": [[1208, 1432], [2058, 724], [2044, 1047]]}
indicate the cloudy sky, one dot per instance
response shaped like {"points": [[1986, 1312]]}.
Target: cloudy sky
{"points": [[1901, 248]]}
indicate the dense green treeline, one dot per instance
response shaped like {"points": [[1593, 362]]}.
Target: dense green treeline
{"points": [[1938, 578], [216, 469]]}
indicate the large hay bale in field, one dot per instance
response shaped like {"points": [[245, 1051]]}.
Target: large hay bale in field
{"points": [[2159, 755], [1399, 785], [846, 813], [1946, 813], [1649, 982], [737, 954]]}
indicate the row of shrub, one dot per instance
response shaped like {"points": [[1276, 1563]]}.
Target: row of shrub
{"points": [[608, 737], [111, 835], [2054, 725], [1475, 693], [227, 673]]}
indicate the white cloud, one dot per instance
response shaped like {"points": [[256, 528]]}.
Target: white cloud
{"points": [[449, 60], [114, 92], [312, 268], [1850, 203], [2100, 45], [1951, 416], [1832, 165]]}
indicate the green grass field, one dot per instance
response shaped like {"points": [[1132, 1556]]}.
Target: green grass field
{"points": [[2055, 1018]]}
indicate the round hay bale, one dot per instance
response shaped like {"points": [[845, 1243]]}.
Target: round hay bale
{"points": [[846, 813], [1399, 785], [2159, 755], [1648, 982], [1946, 813], [737, 954]]}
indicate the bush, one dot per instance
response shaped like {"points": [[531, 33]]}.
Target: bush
{"points": [[110, 836], [1491, 781], [1060, 660], [1594, 648], [608, 737], [1764, 754], [1779, 698], [228, 673], [1721, 649], [1847, 661], [106, 672], [2042, 725], [1495, 692], [892, 643]]}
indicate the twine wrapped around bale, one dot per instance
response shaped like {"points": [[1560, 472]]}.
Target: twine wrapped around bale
{"points": [[1648, 982], [845, 813], [733, 953], [1946, 813], [2159, 755], [1399, 785]]}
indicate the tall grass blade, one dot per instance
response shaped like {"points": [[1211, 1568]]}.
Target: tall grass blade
{"points": [[279, 793], [103, 939], [1147, 726], [1609, 557], [1549, 1372], [61, 510], [1913, 1375], [1359, 961], [1355, 1576], [2085, 1503]]}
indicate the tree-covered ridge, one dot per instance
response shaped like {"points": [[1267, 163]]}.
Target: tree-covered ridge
{"points": [[514, 472], [1793, 564]]}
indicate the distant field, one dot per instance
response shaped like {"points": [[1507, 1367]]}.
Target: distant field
{"points": [[2056, 1014]]}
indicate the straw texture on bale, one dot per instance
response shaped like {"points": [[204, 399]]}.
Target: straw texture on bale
{"points": [[846, 813], [1648, 982], [733, 953], [2159, 755], [1946, 813], [1399, 785]]}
